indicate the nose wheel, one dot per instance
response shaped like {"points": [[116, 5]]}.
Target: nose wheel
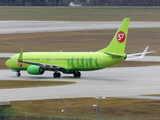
{"points": [[56, 75], [18, 74]]}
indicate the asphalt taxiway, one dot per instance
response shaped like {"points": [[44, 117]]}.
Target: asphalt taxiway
{"points": [[53, 26], [127, 82]]}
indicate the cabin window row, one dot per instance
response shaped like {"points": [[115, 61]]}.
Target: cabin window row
{"points": [[72, 59], [32, 59], [59, 59]]}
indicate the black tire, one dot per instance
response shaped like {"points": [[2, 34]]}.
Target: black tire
{"points": [[18, 74], [77, 74], [56, 75]]}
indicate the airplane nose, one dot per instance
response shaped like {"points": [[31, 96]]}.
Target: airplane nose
{"points": [[7, 63]]}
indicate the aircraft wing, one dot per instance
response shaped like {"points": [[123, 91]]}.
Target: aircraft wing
{"points": [[135, 55], [43, 65]]}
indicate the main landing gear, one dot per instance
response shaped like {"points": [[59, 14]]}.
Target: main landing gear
{"points": [[77, 74], [56, 75]]}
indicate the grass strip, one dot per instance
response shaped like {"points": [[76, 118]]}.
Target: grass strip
{"points": [[158, 95], [9, 84], [89, 40], [100, 13], [84, 107]]}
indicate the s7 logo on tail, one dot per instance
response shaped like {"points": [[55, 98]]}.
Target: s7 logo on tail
{"points": [[121, 36]]}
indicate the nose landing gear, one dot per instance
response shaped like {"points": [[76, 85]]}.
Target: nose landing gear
{"points": [[18, 74]]}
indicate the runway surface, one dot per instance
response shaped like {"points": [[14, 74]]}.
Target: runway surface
{"points": [[53, 26], [127, 82]]}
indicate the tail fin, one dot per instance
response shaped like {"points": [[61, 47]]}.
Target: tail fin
{"points": [[118, 43]]}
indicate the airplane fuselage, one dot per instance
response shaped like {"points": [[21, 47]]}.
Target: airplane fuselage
{"points": [[71, 61]]}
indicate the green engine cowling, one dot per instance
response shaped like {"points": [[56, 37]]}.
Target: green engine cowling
{"points": [[35, 70]]}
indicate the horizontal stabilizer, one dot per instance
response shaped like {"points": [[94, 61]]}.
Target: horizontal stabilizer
{"points": [[135, 55]]}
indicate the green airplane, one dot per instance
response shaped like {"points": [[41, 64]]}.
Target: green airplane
{"points": [[36, 63]]}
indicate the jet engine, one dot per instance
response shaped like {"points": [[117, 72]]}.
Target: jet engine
{"points": [[35, 70]]}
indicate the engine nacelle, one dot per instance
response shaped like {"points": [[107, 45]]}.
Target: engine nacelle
{"points": [[35, 70]]}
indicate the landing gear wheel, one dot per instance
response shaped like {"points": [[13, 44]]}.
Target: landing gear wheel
{"points": [[18, 74], [56, 75], [77, 74]]}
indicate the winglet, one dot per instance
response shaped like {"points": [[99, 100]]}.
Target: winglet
{"points": [[20, 56]]}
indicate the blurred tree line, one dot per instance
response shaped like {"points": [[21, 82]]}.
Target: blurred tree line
{"points": [[133, 2], [32, 2], [83, 2]]}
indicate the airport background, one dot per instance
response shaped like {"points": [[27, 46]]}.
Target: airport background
{"points": [[82, 2], [9, 116], [76, 117]]}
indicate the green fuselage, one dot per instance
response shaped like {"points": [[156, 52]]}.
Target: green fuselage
{"points": [[71, 61]]}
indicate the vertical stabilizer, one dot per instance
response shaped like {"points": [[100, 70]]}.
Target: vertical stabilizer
{"points": [[118, 43]]}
